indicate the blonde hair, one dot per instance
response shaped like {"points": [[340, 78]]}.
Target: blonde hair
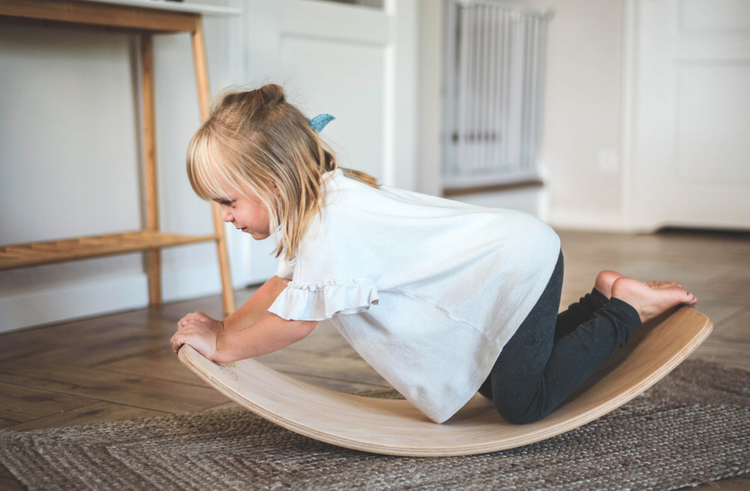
{"points": [[257, 139]]}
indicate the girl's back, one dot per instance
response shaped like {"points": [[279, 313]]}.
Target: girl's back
{"points": [[427, 290]]}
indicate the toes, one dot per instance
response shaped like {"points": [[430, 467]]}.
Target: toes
{"points": [[604, 281], [608, 276], [690, 299]]}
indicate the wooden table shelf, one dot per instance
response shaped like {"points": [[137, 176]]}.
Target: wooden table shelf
{"points": [[143, 20], [55, 251]]}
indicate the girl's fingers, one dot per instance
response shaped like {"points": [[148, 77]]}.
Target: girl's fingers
{"points": [[197, 317], [197, 337], [180, 338], [175, 343], [194, 317]]}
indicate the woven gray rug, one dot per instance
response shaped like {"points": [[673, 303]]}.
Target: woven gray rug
{"points": [[690, 428]]}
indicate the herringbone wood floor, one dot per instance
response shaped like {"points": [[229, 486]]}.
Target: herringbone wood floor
{"points": [[120, 366]]}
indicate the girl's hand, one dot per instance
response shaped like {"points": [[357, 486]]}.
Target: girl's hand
{"points": [[200, 338], [202, 320]]}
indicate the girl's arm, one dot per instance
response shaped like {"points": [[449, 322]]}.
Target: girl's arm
{"points": [[265, 336], [248, 314], [257, 307]]}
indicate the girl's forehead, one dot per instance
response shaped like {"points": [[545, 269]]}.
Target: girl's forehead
{"points": [[224, 185], [234, 192]]}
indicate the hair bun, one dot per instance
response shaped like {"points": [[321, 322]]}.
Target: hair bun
{"points": [[272, 94]]}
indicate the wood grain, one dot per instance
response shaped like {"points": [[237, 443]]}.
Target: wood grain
{"points": [[98, 14], [133, 390], [10, 484], [4, 423], [395, 427], [161, 364], [98, 412], [34, 254], [153, 256], [20, 403]]}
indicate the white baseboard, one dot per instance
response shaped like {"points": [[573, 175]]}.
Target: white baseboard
{"points": [[590, 219], [103, 296], [72, 301]]}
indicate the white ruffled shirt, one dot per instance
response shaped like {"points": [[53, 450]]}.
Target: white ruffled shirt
{"points": [[427, 290]]}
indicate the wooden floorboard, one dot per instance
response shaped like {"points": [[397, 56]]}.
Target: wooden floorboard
{"points": [[5, 473], [22, 403], [145, 392], [10, 484], [739, 483], [98, 412], [5, 423], [120, 366]]}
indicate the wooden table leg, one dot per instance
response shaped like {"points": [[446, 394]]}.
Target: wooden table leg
{"points": [[152, 192], [201, 73]]}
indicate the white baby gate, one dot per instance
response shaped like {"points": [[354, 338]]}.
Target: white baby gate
{"points": [[493, 76]]}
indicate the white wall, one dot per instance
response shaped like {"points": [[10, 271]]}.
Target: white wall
{"points": [[581, 115], [429, 98], [582, 112], [70, 165]]}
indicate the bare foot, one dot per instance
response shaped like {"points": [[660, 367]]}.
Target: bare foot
{"points": [[662, 284], [651, 301], [604, 282]]}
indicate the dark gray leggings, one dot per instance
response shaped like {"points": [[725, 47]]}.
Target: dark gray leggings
{"points": [[552, 354]]}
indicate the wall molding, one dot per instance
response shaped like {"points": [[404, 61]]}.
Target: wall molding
{"points": [[104, 295], [72, 301], [586, 219]]}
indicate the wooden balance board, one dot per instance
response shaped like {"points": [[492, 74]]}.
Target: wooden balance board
{"points": [[395, 427]]}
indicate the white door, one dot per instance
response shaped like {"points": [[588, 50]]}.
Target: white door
{"points": [[355, 62], [691, 132]]}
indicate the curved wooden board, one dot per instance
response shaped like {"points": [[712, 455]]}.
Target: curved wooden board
{"points": [[395, 427]]}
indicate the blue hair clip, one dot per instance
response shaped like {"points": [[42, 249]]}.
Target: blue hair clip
{"points": [[320, 121]]}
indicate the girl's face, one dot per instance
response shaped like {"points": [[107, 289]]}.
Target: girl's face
{"points": [[247, 214]]}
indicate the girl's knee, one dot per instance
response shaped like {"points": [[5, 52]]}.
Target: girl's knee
{"points": [[519, 414]]}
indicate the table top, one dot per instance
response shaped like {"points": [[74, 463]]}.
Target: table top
{"points": [[207, 10], [156, 16]]}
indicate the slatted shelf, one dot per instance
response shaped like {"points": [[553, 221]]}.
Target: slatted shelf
{"points": [[36, 253], [142, 19]]}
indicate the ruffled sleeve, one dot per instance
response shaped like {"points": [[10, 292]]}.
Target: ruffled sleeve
{"points": [[322, 300]]}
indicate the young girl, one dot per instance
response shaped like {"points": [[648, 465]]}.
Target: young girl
{"points": [[442, 298]]}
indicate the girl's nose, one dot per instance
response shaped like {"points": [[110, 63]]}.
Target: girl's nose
{"points": [[225, 214]]}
